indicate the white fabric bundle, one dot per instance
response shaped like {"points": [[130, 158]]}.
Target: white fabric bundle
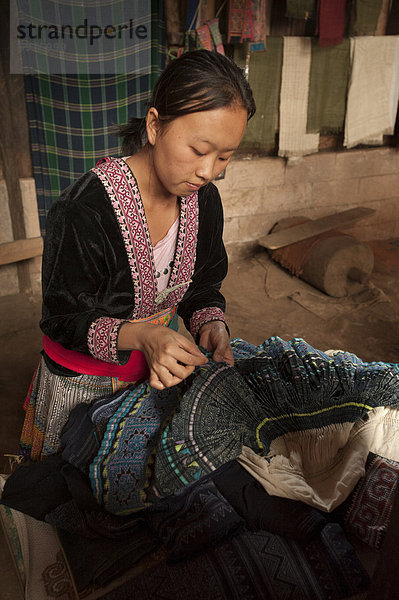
{"points": [[322, 466], [373, 89]]}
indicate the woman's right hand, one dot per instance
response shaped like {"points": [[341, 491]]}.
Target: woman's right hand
{"points": [[170, 356]]}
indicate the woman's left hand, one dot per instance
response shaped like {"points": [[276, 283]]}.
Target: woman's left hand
{"points": [[214, 337]]}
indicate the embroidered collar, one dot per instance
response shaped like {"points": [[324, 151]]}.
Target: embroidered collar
{"points": [[123, 192]]}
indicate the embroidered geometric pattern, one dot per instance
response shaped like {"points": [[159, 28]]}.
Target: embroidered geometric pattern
{"points": [[122, 189], [200, 317], [120, 471], [102, 338], [284, 387], [251, 566], [370, 509], [129, 211], [57, 580]]}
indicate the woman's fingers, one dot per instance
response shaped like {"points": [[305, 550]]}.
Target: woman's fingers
{"points": [[155, 382], [188, 353], [170, 356], [187, 358], [224, 353], [170, 372], [162, 378], [214, 337]]}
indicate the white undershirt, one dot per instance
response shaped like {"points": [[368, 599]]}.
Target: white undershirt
{"points": [[164, 253]]}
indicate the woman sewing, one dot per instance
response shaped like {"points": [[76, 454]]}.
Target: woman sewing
{"points": [[135, 242]]}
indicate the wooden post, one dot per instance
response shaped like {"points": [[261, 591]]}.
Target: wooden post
{"points": [[14, 138]]}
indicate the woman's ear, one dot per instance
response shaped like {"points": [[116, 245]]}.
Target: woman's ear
{"points": [[152, 125]]}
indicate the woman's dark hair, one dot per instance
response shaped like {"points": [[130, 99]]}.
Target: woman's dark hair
{"points": [[196, 81]]}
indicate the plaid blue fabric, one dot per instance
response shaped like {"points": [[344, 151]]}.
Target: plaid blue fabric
{"points": [[73, 117]]}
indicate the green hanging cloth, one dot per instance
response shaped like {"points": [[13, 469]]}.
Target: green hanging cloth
{"points": [[265, 80], [365, 18], [301, 9], [329, 74]]}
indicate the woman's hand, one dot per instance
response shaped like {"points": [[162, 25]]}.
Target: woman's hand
{"points": [[214, 337], [170, 356]]}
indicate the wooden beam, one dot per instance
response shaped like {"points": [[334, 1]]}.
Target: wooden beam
{"points": [[291, 235], [11, 252]]}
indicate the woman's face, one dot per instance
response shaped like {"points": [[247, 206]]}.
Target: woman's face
{"points": [[193, 149]]}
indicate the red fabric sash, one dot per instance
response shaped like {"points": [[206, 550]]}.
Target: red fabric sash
{"points": [[135, 369]]}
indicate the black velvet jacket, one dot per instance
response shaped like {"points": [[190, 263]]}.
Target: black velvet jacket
{"points": [[98, 267]]}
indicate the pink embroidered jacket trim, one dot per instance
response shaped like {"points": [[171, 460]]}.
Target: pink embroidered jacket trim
{"points": [[205, 315], [123, 192], [102, 339]]}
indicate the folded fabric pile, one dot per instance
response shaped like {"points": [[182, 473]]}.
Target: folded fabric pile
{"points": [[276, 456]]}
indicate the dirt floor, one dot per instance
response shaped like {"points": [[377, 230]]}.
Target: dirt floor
{"points": [[263, 300]]}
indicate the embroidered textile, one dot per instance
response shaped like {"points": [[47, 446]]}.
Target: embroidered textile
{"points": [[41, 566], [260, 27], [49, 403], [257, 565], [286, 387], [213, 25], [119, 473], [124, 194], [191, 521], [204, 37], [77, 253], [205, 315], [240, 20], [372, 501]]}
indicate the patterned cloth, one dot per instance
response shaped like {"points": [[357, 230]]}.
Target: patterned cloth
{"points": [[274, 389], [191, 521], [372, 500], [255, 566], [240, 20], [119, 473], [49, 403], [72, 118]]}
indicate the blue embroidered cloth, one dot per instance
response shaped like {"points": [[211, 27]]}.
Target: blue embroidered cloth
{"points": [[194, 428]]}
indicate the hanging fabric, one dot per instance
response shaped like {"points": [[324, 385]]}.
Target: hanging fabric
{"points": [[240, 20], [260, 133], [373, 90], [259, 26], [204, 38], [365, 17], [293, 139], [213, 25], [72, 117], [300, 9], [328, 87], [331, 20]]}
